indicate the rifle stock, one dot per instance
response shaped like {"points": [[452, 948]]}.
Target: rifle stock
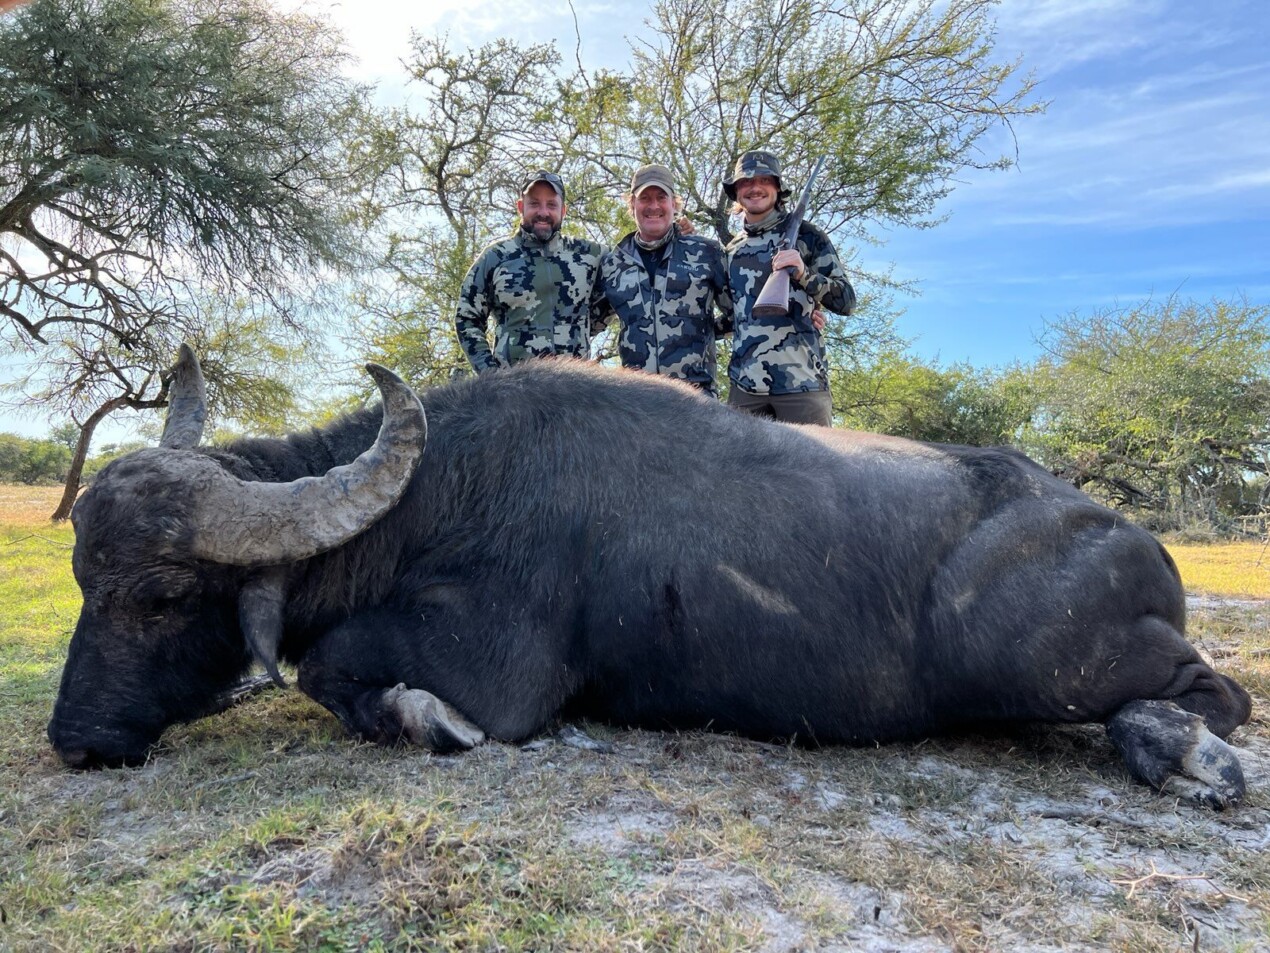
{"points": [[773, 298]]}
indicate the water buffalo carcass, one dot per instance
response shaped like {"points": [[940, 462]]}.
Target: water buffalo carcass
{"points": [[577, 541]]}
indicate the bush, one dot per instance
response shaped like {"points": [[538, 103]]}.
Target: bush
{"points": [[32, 462]]}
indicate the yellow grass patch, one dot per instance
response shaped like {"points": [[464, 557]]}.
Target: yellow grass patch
{"points": [[27, 505], [1224, 569]]}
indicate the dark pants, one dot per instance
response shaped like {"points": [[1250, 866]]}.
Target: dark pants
{"points": [[809, 407]]}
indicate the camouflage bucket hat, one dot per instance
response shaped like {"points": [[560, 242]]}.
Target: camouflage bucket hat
{"points": [[752, 164], [542, 175]]}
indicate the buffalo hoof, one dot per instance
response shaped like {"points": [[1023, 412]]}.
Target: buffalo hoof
{"points": [[427, 721], [1172, 750]]}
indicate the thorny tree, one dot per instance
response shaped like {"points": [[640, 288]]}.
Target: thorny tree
{"points": [[149, 149], [1162, 406], [900, 96]]}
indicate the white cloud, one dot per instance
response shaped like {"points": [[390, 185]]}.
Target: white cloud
{"points": [[378, 32]]}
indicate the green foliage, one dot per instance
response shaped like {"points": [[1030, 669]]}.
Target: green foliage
{"points": [[449, 177], [66, 434], [32, 462], [409, 324], [253, 366], [108, 453], [899, 96], [899, 394], [162, 163], [878, 385], [143, 142], [1163, 406]]}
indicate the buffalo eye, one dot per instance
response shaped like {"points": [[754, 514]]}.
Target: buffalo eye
{"points": [[163, 590]]}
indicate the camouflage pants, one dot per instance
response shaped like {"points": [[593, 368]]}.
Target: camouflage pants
{"points": [[810, 407]]}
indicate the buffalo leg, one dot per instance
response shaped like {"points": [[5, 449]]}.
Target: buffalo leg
{"points": [[395, 676], [411, 715], [1172, 750], [396, 715]]}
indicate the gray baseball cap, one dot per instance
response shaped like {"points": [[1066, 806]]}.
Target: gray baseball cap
{"points": [[653, 174]]}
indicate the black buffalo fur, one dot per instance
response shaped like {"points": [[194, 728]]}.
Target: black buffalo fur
{"points": [[583, 541]]}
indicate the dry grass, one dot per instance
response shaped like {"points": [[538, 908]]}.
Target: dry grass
{"points": [[28, 506], [266, 828], [1237, 569]]}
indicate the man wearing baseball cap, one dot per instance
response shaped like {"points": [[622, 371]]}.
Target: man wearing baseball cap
{"points": [[778, 367], [669, 289], [537, 285]]}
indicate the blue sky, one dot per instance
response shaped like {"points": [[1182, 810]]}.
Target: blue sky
{"points": [[1148, 175]]}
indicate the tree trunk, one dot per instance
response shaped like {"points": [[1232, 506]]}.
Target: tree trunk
{"points": [[71, 491]]}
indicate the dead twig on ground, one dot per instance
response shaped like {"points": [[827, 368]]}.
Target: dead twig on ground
{"points": [[43, 539], [1155, 874], [1092, 818]]}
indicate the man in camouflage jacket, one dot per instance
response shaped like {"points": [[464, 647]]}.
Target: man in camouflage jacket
{"points": [[778, 366], [539, 286], [664, 286]]}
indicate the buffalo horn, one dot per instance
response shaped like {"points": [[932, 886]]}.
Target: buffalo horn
{"points": [[244, 523], [260, 605], [187, 403]]}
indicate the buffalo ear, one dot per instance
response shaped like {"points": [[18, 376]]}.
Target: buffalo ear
{"points": [[260, 605]]}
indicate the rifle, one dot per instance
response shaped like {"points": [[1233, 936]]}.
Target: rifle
{"points": [[773, 299]]}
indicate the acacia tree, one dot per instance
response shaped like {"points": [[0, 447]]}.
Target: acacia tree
{"points": [[1164, 406], [152, 152], [900, 96]]}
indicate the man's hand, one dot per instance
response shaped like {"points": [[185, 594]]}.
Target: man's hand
{"points": [[685, 226], [789, 258], [818, 320]]}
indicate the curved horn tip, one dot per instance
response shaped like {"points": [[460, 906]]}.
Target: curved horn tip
{"points": [[383, 375], [187, 403]]}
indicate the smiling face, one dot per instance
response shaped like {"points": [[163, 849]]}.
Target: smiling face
{"points": [[757, 196], [541, 210], [654, 212]]}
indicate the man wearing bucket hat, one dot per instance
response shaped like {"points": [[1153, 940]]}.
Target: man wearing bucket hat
{"points": [[778, 367], [665, 287], [538, 285]]}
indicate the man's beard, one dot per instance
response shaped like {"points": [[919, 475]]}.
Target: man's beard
{"points": [[541, 228]]}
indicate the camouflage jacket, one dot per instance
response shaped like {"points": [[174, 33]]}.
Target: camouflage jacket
{"points": [[668, 325], [785, 354], [539, 294]]}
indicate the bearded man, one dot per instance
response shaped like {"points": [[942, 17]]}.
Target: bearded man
{"points": [[539, 286], [668, 288]]}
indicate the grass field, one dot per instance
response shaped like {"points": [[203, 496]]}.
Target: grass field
{"points": [[1234, 569], [267, 828]]}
